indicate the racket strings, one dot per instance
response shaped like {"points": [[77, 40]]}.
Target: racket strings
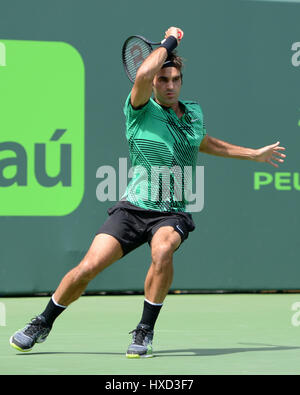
{"points": [[135, 51]]}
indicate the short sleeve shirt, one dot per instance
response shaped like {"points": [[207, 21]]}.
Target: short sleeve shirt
{"points": [[163, 151]]}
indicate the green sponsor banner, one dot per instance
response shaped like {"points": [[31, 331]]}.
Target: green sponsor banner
{"points": [[42, 128]]}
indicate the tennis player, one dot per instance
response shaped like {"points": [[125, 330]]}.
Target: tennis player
{"points": [[163, 132]]}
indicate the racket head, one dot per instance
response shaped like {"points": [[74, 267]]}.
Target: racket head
{"points": [[134, 51]]}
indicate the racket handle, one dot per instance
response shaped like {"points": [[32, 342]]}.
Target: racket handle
{"points": [[179, 37]]}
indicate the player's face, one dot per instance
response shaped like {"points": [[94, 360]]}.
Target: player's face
{"points": [[167, 85]]}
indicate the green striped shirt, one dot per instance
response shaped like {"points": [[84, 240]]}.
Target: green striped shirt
{"points": [[163, 151]]}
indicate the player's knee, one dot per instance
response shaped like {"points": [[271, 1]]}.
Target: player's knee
{"points": [[162, 254], [87, 270]]}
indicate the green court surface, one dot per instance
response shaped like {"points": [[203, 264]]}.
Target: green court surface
{"points": [[224, 334]]}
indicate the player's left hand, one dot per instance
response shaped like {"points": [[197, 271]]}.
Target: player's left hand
{"points": [[270, 153]]}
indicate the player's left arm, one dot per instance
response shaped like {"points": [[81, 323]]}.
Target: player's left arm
{"points": [[270, 153]]}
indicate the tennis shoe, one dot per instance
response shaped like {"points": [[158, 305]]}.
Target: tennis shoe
{"points": [[34, 332], [141, 346]]}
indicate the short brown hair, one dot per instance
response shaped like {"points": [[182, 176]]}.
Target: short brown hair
{"points": [[177, 61]]}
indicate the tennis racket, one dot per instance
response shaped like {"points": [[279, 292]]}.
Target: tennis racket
{"points": [[134, 51]]}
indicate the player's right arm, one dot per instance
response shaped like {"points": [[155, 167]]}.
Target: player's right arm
{"points": [[142, 88]]}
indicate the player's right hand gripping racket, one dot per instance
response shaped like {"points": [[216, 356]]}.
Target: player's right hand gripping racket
{"points": [[134, 51]]}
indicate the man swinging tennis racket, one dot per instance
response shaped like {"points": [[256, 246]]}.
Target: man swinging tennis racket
{"points": [[161, 131]]}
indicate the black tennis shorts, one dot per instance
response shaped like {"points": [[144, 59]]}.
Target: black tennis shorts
{"points": [[133, 226]]}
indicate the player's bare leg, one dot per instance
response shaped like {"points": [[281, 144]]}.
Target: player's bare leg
{"points": [[160, 274], [104, 250]]}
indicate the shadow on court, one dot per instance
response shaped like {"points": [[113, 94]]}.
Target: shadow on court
{"points": [[189, 352]]}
